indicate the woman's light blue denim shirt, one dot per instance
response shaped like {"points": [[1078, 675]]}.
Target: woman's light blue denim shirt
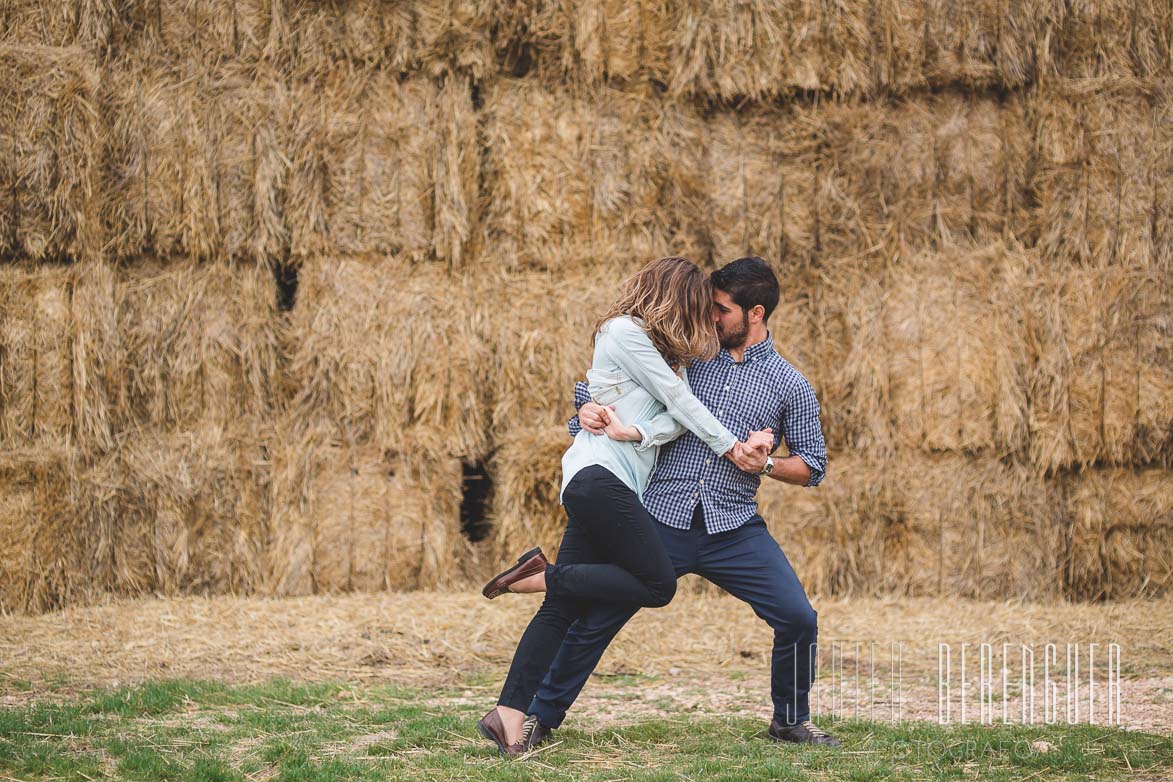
{"points": [[628, 372]]}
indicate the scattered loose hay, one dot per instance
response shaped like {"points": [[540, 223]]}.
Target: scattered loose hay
{"points": [[48, 153], [377, 345], [1101, 386], [356, 517], [36, 371], [1120, 537]]}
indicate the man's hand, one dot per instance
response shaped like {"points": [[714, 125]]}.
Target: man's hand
{"points": [[762, 439], [750, 459], [593, 418]]}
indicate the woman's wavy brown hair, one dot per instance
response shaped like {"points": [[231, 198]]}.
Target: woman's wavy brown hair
{"points": [[674, 299]]}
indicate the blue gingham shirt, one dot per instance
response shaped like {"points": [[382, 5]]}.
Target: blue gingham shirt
{"points": [[763, 390]]}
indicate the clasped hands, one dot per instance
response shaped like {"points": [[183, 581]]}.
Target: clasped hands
{"points": [[749, 455]]}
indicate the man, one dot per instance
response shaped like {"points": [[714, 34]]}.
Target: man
{"points": [[707, 508]]}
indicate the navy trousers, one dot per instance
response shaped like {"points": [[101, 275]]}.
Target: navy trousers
{"points": [[746, 562]]}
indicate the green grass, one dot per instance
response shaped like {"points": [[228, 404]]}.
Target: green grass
{"points": [[209, 732]]}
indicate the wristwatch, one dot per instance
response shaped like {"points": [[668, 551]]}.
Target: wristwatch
{"points": [[768, 467]]}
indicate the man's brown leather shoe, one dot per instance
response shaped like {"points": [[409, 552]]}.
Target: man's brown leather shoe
{"points": [[491, 728], [528, 564], [805, 732]]}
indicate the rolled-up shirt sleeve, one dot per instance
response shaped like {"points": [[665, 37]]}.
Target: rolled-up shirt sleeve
{"points": [[804, 431], [582, 395]]}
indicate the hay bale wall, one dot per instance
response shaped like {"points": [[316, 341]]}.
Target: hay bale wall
{"points": [[275, 278], [48, 152]]}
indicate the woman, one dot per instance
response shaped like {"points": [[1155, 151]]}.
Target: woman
{"points": [[611, 550]]}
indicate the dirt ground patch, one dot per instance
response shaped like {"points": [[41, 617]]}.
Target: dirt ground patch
{"points": [[705, 654]]}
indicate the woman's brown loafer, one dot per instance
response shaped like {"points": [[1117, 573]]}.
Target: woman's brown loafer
{"points": [[528, 564]]}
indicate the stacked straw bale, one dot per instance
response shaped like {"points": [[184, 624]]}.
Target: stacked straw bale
{"points": [[587, 42], [920, 174], [762, 174], [66, 23], [48, 152], [436, 37], [182, 513], [378, 346], [192, 344], [920, 524], [760, 50], [192, 160], [930, 354], [46, 550], [1120, 533], [1103, 180], [348, 516], [527, 470], [1101, 382], [382, 166], [1118, 40], [36, 371], [540, 351], [601, 180]]}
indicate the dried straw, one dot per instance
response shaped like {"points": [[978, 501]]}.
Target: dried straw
{"points": [[182, 513], [582, 180], [377, 345], [36, 382], [762, 175], [1119, 39], [382, 166], [1102, 375], [89, 23], [585, 43], [192, 343], [48, 152], [537, 358], [438, 37], [527, 479], [931, 353], [1102, 181], [1120, 538], [918, 174], [46, 558], [356, 517], [917, 524], [192, 162]]}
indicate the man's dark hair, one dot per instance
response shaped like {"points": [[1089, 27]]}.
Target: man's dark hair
{"points": [[750, 282]]}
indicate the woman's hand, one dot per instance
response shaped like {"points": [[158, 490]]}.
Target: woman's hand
{"points": [[617, 431]]}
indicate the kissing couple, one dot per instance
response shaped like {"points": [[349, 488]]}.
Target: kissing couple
{"points": [[685, 401]]}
